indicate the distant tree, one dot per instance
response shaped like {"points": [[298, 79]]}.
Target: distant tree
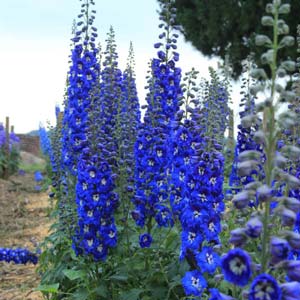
{"points": [[227, 27]]}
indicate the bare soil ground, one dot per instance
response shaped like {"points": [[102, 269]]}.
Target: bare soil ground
{"points": [[23, 223]]}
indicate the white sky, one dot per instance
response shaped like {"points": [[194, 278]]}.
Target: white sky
{"points": [[35, 38]]}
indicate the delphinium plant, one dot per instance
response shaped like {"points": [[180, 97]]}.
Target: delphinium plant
{"points": [[110, 98], [152, 147], [203, 176], [128, 120], [44, 141], [257, 265], [245, 136]]}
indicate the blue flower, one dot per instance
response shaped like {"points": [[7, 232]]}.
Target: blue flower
{"points": [[193, 283], [236, 266], [264, 287], [190, 239], [145, 240], [290, 290], [216, 295], [38, 177], [208, 260]]}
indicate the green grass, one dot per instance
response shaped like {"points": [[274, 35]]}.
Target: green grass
{"points": [[30, 168]]}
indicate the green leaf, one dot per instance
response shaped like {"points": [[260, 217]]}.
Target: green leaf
{"points": [[48, 288], [159, 292], [102, 291], [131, 295], [81, 294], [74, 274], [119, 277]]}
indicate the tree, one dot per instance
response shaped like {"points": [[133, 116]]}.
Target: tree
{"points": [[227, 27]]}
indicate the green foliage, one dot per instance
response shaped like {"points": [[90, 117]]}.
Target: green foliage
{"points": [[11, 161], [227, 27], [129, 273]]}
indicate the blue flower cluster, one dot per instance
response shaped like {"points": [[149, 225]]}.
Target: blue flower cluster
{"points": [[152, 148], [197, 194], [18, 256], [129, 119], [197, 179], [96, 203], [45, 142], [13, 139], [84, 71], [245, 142], [110, 100]]}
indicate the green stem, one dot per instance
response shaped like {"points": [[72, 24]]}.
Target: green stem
{"points": [[269, 130]]}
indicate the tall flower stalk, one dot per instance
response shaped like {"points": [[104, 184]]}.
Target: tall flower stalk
{"points": [[274, 245]]}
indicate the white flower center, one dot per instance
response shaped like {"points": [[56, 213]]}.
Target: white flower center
{"points": [[237, 266], [96, 197]]}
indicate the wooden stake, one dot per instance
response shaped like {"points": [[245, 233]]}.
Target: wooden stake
{"points": [[6, 147]]}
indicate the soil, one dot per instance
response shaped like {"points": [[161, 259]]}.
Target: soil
{"points": [[23, 223]]}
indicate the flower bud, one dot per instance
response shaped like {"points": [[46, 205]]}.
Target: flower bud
{"points": [[290, 290], [288, 217], [254, 227], [280, 161], [281, 72], [279, 249], [218, 277], [289, 65], [258, 74], [238, 237], [262, 40], [241, 200], [284, 9], [293, 182], [248, 155], [287, 41], [267, 21], [293, 239], [292, 204], [264, 193], [245, 168], [293, 269], [259, 137], [267, 57], [292, 152]]}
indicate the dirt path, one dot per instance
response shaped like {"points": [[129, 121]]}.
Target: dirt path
{"points": [[23, 223]]}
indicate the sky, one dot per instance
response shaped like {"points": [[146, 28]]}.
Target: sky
{"points": [[35, 45]]}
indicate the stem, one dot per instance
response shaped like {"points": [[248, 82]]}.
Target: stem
{"points": [[269, 130]]}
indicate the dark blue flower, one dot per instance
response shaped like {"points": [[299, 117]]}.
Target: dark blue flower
{"points": [[208, 260], [264, 287], [145, 240], [194, 283], [236, 266]]}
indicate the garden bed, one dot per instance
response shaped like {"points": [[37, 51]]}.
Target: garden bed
{"points": [[23, 223]]}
